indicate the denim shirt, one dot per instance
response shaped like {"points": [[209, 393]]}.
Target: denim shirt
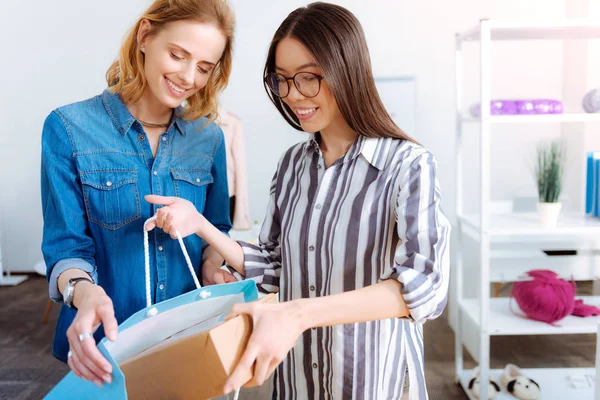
{"points": [[97, 166]]}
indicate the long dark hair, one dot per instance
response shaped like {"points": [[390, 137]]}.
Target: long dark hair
{"points": [[336, 40]]}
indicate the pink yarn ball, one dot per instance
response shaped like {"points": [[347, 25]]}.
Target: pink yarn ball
{"points": [[546, 298]]}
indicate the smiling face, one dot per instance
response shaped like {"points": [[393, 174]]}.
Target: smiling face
{"points": [[179, 59], [317, 113]]}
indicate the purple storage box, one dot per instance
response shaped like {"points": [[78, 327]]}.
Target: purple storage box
{"points": [[497, 107], [527, 107], [539, 106]]}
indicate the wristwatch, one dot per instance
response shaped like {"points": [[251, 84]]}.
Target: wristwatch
{"points": [[69, 291]]}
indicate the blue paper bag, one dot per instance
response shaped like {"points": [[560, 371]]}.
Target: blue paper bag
{"points": [[177, 349]]}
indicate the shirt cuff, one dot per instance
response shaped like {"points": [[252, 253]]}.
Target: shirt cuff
{"points": [[261, 269], [62, 266], [417, 290]]}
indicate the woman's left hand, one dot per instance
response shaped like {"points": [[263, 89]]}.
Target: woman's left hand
{"points": [[276, 330]]}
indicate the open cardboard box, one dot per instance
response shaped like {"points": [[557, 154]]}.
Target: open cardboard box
{"points": [[173, 369], [180, 348]]}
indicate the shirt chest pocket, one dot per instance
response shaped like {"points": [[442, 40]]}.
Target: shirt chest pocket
{"points": [[192, 185], [111, 197]]}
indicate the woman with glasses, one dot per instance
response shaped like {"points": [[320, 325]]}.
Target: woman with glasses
{"points": [[354, 240]]}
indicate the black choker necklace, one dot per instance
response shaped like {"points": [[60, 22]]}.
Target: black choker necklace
{"points": [[151, 125]]}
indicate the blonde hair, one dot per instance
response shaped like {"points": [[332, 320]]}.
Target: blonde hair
{"points": [[126, 75]]}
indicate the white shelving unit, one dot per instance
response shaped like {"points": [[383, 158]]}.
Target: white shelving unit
{"points": [[536, 119], [494, 316], [509, 225], [597, 389]]}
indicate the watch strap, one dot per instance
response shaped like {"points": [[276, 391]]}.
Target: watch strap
{"points": [[70, 290]]}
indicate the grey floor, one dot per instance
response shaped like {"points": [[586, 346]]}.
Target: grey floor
{"points": [[28, 370]]}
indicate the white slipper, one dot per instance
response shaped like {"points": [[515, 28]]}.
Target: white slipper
{"points": [[519, 385], [493, 387]]}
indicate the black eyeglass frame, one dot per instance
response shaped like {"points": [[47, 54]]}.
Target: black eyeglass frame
{"points": [[293, 79]]}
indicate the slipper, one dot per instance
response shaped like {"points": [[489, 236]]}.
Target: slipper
{"points": [[493, 387], [519, 385]]}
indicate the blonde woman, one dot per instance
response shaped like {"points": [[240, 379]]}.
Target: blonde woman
{"points": [[145, 134]]}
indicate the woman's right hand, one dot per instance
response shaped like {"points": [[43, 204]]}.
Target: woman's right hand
{"points": [[177, 214], [180, 215], [93, 308]]}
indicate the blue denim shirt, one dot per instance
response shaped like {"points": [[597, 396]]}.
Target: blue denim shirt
{"points": [[97, 166]]}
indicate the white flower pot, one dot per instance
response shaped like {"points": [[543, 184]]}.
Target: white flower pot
{"points": [[549, 213]]}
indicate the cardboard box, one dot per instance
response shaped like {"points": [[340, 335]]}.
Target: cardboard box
{"points": [[191, 366], [180, 348]]}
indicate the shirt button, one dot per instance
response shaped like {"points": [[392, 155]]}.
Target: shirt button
{"points": [[312, 288], [161, 287], [155, 172], [109, 183], [164, 138], [160, 248], [315, 365], [318, 166], [318, 207], [311, 248], [197, 180], [142, 137], [314, 328]]}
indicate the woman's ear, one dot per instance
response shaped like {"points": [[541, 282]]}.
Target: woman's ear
{"points": [[142, 33]]}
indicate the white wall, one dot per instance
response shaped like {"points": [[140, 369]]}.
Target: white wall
{"points": [[53, 53], [267, 134], [53, 61], [593, 77], [414, 38]]}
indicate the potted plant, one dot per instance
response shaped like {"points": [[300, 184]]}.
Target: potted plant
{"points": [[549, 173]]}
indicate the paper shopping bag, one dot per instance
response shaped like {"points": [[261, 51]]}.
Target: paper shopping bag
{"points": [[180, 348]]}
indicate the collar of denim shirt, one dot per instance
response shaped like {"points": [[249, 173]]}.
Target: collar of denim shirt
{"points": [[122, 118]]}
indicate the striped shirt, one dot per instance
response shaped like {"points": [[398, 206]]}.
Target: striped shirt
{"points": [[374, 214]]}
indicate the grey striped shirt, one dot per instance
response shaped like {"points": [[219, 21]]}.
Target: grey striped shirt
{"points": [[372, 215]]}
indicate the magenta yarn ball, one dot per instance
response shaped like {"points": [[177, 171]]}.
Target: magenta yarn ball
{"points": [[546, 297]]}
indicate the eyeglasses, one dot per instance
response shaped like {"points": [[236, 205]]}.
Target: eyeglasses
{"points": [[307, 83]]}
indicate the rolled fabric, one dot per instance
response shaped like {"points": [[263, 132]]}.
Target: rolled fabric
{"points": [[545, 297], [591, 101]]}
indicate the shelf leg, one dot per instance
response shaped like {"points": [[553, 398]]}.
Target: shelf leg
{"points": [[596, 385], [497, 288]]}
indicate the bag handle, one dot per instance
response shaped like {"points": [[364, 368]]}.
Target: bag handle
{"points": [[147, 261], [236, 393]]}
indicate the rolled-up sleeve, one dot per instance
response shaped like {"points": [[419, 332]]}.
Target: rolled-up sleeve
{"points": [[60, 267], [262, 262], [422, 257], [66, 242]]}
